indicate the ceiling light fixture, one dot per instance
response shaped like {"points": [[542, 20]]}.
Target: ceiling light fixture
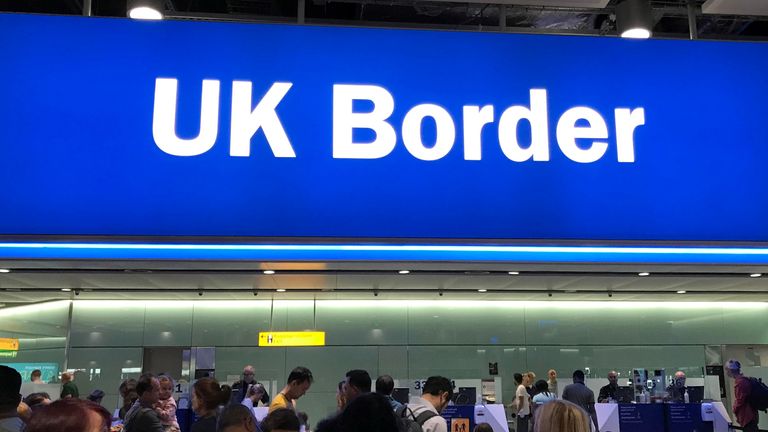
{"points": [[643, 274], [404, 272], [269, 272], [514, 273], [482, 290], [280, 290], [755, 275], [66, 289], [145, 9], [681, 292], [634, 19], [5, 271]]}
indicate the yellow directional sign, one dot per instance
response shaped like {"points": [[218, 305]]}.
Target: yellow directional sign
{"points": [[291, 339], [8, 344]]}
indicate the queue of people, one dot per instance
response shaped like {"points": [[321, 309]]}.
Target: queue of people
{"points": [[148, 405]]}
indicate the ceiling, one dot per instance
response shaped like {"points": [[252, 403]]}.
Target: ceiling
{"points": [[715, 19], [310, 281]]}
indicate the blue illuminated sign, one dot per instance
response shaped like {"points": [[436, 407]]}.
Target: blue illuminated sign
{"points": [[112, 127]]}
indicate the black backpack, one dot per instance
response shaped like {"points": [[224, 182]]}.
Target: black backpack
{"points": [[758, 394], [410, 422]]}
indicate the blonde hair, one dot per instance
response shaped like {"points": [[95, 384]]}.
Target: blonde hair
{"points": [[531, 375], [561, 416]]}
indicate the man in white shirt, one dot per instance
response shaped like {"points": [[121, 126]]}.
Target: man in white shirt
{"points": [[522, 402], [10, 385], [436, 394]]}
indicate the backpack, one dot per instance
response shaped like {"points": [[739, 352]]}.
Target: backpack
{"points": [[758, 394], [410, 422]]}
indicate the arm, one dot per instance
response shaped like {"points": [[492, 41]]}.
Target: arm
{"points": [[167, 410], [592, 412], [741, 390]]}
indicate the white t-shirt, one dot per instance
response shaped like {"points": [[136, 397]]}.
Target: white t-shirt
{"points": [[523, 409]]}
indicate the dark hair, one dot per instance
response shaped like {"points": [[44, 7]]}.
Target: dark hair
{"points": [[96, 395], [303, 419], [518, 378], [541, 386], [36, 372], [578, 374], [300, 374], [35, 399], [233, 415], [437, 385], [127, 386], [144, 384], [211, 393], [360, 379], [483, 427], [341, 384], [10, 385], [370, 412], [385, 385], [283, 419], [67, 415]]}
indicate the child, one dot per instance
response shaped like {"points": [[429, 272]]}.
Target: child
{"points": [[166, 406]]}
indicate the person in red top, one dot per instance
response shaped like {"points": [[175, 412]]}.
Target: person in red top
{"points": [[746, 415]]}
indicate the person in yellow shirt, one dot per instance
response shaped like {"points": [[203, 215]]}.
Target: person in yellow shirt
{"points": [[299, 381]]}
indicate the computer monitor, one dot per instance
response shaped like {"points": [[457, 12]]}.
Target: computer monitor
{"points": [[465, 396], [695, 394], [625, 395], [401, 394]]}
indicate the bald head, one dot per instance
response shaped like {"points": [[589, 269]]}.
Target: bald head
{"points": [[680, 379], [613, 377], [248, 373]]}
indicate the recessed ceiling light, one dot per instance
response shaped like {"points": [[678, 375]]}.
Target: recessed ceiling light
{"points": [[66, 289], [269, 272], [681, 292], [145, 13], [404, 271], [513, 273], [643, 274], [755, 275], [281, 290], [4, 271], [636, 33], [482, 290]]}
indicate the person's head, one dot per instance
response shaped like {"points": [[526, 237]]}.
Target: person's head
{"points": [[37, 400], [303, 419], [148, 389], [552, 374], [541, 386], [166, 386], [248, 374], [483, 427], [438, 391], [385, 385], [561, 416], [680, 379], [236, 418], [281, 420], [127, 386], [207, 395], [528, 379], [10, 386], [357, 382], [578, 376], [613, 378], [36, 375], [67, 377], [96, 396], [369, 412], [70, 415], [257, 393], [518, 378], [299, 381], [733, 368]]}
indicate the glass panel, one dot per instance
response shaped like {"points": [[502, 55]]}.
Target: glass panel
{"points": [[363, 322], [104, 369], [465, 323], [107, 323], [225, 323], [168, 324]]}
